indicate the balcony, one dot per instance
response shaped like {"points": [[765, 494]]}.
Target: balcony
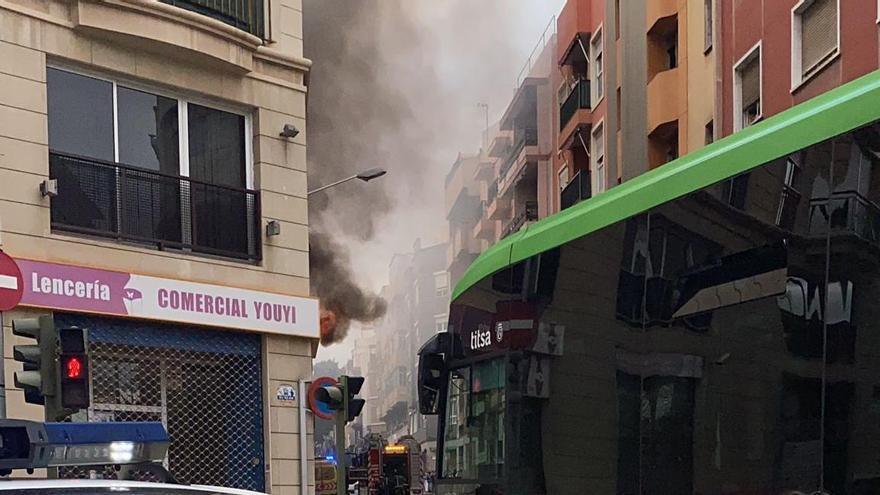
{"points": [[462, 200], [577, 190], [485, 169], [523, 138], [511, 166], [499, 206], [246, 15], [485, 227], [529, 213], [848, 213], [574, 20], [120, 202], [663, 99], [656, 10], [578, 98]]}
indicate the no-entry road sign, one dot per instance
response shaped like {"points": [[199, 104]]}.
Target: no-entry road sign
{"points": [[11, 283]]}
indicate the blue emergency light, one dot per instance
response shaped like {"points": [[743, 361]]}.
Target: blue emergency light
{"points": [[33, 444]]}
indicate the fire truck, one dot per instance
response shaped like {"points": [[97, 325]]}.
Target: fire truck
{"points": [[387, 469]]}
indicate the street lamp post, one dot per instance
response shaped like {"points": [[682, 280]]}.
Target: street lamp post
{"points": [[366, 176]]}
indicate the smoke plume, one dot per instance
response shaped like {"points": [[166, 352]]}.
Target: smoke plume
{"points": [[341, 299], [395, 84]]}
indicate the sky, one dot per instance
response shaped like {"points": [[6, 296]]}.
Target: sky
{"points": [[438, 60]]}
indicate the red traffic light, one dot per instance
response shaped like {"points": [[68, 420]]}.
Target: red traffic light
{"points": [[73, 367]]}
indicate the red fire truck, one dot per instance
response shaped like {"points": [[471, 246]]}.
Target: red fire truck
{"points": [[384, 469]]}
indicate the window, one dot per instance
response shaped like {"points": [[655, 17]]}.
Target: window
{"points": [[598, 154], [710, 132], [707, 25], [441, 283], [563, 177], [815, 37], [474, 442], [149, 168], [598, 84], [747, 89]]}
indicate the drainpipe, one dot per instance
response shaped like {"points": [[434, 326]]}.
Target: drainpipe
{"points": [[303, 442]]}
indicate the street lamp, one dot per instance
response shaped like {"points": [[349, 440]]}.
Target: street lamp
{"points": [[366, 176]]}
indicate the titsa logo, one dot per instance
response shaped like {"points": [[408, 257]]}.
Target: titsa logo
{"points": [[481, 337]]}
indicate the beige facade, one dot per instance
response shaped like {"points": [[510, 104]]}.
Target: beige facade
{"points": [[153, 45]]}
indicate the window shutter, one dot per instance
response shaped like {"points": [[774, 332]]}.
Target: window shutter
{"points": [[818, 33], [751, 81]]}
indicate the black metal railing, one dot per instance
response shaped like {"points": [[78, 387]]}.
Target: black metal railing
{"points": [[577, 99], [529, 213], [521, 139], [107, 199], [578, 189], [246, 15], [846, 213]]}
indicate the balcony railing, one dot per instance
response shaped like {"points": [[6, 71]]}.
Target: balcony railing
{"points": [[578, 98], [529, 213], [847, 213], [108, 199], [521, 139], [246, 15], [578, 189]]}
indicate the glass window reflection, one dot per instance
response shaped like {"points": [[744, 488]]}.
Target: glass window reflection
{"points": [[80, 114], [474, 433], [148, 136]]}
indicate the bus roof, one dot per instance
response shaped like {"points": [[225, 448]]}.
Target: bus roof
{"points": [[840, 110]]}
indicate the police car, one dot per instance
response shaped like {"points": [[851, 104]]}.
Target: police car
{"points": [[129, 447]]}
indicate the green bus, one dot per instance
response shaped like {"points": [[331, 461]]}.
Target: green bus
{"points": [[710, 327]]}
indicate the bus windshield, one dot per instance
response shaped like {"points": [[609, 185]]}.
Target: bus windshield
{"points": [[474, 432]]}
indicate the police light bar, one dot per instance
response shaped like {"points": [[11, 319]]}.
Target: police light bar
{"points": [[33, 444]]}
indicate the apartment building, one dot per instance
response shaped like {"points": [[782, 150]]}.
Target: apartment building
{"points": [[636, 89], [509, 183], [418, 299], [145, 147], [775, 55], [470, 229]]}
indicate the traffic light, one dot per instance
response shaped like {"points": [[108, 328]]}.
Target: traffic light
{"points": [[39, 374], [354, 405], [341, 397], [55, 370], [74, 361], [333, 396]]}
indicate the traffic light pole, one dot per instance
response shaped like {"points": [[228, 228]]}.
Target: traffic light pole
{"points": [[341, 458]]}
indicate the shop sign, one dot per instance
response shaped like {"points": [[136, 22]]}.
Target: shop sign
{"points": [[89, 290], [511, 326]]}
